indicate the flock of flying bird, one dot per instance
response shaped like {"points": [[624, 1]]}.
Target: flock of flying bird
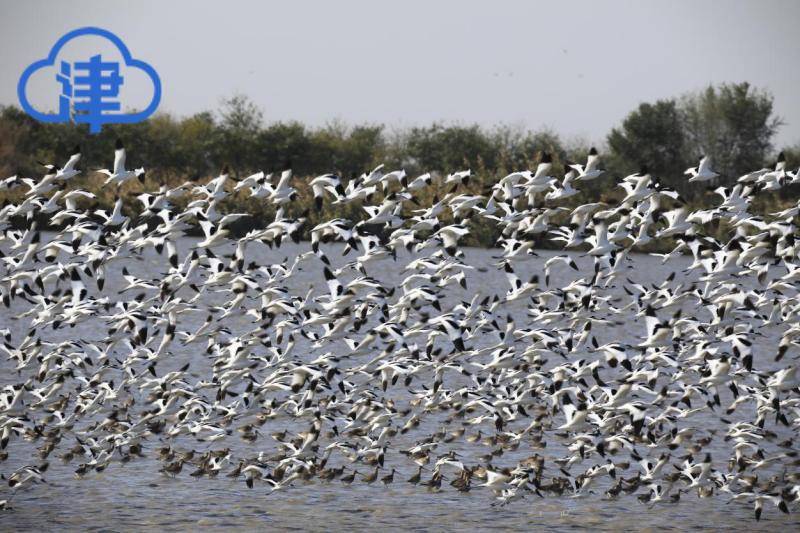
{"points": [[215, 364]]}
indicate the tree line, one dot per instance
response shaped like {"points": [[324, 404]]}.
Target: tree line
{"points": [[733, 123]]}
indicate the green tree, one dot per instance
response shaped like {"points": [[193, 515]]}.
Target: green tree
{"points": [[196, 146], [517, 148], [651, 135], [347, 150], [448, 149], [734, 124], [285, 144], [240, 123]]}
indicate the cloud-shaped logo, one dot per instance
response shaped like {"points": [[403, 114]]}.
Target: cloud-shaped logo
{"points": [[89, 88]]}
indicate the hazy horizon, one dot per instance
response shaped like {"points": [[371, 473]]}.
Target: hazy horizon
{"points": [[577, 68]]}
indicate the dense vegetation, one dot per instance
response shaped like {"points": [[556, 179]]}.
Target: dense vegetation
{"points": [[734, 123]]}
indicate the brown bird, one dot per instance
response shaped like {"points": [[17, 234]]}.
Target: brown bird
{"points": [[416, 477], [173, 468], [370, 478], [387, 479], [349, 479]]}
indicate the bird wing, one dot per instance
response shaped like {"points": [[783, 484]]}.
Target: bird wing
{"points": [[119, 161], [73, 160]]}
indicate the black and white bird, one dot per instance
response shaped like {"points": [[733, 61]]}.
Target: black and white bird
{"points": [[119, 174]]}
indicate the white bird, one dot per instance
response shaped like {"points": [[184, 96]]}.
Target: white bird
{"points": [[68, 171], [119, 174], [702, 172], [589, 171]]}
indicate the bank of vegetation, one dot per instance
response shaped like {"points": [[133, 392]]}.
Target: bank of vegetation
{"points": [[733, 123]]}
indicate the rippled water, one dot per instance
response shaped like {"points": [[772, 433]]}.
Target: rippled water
{"points": [[135, 496]]}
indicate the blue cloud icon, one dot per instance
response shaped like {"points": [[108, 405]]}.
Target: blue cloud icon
{"points": [[97, 118]]}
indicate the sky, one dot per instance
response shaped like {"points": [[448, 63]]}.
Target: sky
{"points": [[576, 67]]}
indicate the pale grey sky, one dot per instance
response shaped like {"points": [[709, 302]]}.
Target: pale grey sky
{"points": [[575, 66]]}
